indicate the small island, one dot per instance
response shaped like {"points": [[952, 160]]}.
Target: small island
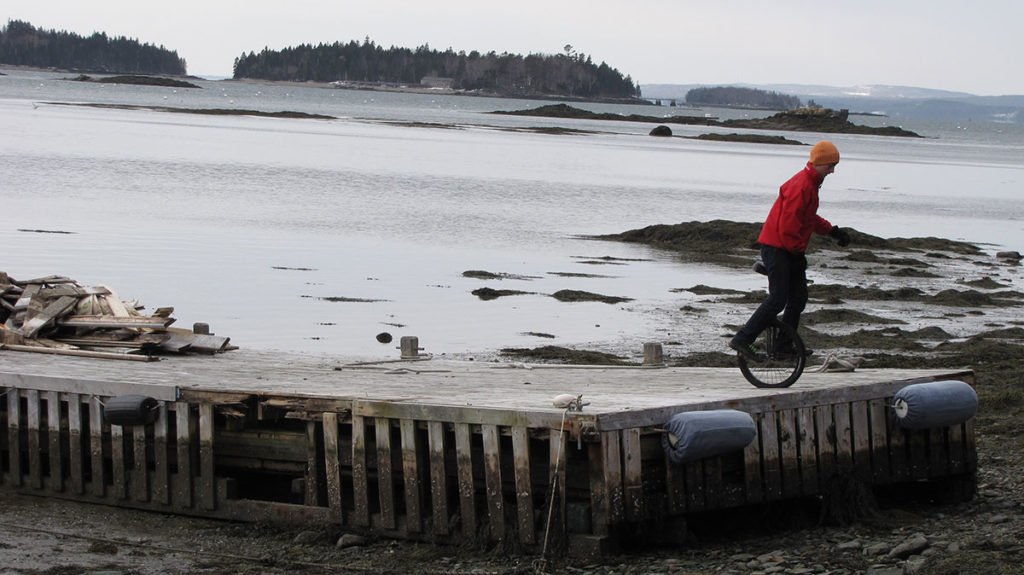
{"points": [[802, 120], [136, 80]]}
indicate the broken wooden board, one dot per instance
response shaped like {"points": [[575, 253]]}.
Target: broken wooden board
{"points": [[47, 316], [109, 322]]}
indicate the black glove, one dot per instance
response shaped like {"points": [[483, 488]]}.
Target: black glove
{"points": [[841, 236]]}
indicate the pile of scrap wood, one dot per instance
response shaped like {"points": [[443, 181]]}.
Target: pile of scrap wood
{"points": [[57, 315]]}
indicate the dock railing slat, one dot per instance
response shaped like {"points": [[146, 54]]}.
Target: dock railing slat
{"points": [[14, 431], [808, 447], [493, 481], [385, 480], [97, 476], [206, 487], [360, 481], [633, 481], [332, 465], [410, 476], [161, 466], [76, 452], [438, 477], [53, 441], [35, 465], [467, 489], [524, 485], [183, 490]]}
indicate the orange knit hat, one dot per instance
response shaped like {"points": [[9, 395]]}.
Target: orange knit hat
{"points": [[824, 152]]}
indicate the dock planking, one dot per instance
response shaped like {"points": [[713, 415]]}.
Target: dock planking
{"points": [[449, 451]]}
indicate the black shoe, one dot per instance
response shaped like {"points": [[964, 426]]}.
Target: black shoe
{"points": [[789, 352], [748, 350]]}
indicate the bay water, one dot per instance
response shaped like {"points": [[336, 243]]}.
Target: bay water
{"points": [[318, 235]]}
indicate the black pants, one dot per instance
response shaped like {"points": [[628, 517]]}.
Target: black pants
{"points": [[787, 290]]}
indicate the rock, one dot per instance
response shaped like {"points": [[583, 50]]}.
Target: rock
{"points": [[875, 549], [913, 545], [855, 544], [350, 540], [1012, 256], [663, 131], [305, 537]]}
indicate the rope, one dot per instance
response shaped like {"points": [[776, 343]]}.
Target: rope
{"points": [[542, 562]]}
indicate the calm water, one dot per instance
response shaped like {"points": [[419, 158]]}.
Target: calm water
{"points": [[250, 224]]}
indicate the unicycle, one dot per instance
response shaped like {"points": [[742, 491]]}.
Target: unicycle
{"points": [[783, 355], [779, 364]]}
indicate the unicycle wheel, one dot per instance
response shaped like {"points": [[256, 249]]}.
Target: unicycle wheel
{"points": [[779, 364]]}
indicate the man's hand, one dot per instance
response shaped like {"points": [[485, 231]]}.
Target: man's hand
{"points": [[841, 236]]}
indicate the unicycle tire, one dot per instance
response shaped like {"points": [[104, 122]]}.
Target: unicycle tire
{"points": [[775, 367]]}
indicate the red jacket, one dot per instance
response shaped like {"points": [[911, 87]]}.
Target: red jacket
{"points": [[794, 216]]}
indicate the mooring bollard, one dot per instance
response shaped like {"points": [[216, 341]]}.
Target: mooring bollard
{"points": [[201, 328], [653, 355], [410, 346]]}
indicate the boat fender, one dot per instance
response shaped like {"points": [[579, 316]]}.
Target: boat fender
{"points": [[934, 404], [130, 410], [694, 435]]}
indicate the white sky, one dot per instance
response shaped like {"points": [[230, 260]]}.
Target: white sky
{"points": [[943, 44]]}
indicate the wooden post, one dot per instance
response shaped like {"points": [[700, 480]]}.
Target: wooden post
{"points": [[140, 471], [98, 477], [492, 469], [161, 468], [117, 458], [14, 476], [438, 477], [35, 477], [53, 441], [333, 466], [207, 484], [360, 489], [633, 483], [410, 346], [385, 481], [183, 491], [524, 487], [75, 448], [410, 475], [653, 355], [467, 489]]}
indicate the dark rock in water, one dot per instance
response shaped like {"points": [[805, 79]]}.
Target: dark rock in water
{"points": [[661, 131], [486, 293], [1012, 256], [384, 337]]}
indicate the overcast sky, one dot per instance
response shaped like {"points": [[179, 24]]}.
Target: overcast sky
{"points": [[943, 44]]}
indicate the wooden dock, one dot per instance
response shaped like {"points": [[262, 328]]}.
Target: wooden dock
{"points": [[447, 451]]}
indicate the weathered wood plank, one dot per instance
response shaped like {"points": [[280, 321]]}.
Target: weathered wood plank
{"points": [[360, 481], [878, 420], [844, 437], [467, 489], [675, 485], [808, 449], [438, 477], [161, 483], [114, 322], [861, 431], [789, 451], [76, 467], [492, 472], [120, 467], [97, 476], [633, 481], [35, 465], [332, 466], [79, 353], [184, 492], [385, 479], [752, 475], [53, 440], [14, 433], [140, 472], [410, 476], [88, 385], [600, 514], [696, 491], [206, 487], [611, 444], [556, 501], [313, 466], [48, 315], [524, 486], [771, 462]]}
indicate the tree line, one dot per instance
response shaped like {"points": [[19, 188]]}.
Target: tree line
{"points": [[569, 74], [21, 44], [742, 97]]}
